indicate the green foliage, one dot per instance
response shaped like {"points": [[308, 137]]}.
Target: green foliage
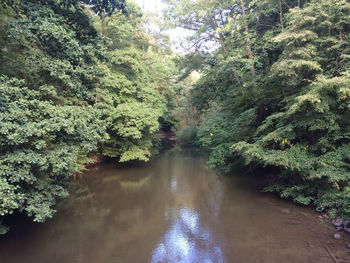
{"points": [[277, 95], [99, 6], [310, 138], [65, 92], [187, 135], [40, 143], [203, 19], [136, 89], [105, 6], [217, 133], [47, 119]]}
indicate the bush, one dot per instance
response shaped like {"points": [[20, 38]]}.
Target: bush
{"points": [[187, 136]]}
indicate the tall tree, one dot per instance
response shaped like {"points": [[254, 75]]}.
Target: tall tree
{"points": [[296, 118], [134, 91], [204, 19], [49, 122]]}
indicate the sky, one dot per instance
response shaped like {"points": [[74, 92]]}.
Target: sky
{"points": [[154, 6], [176, 35]]}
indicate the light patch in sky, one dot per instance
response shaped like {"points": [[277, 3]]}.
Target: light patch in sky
{"points": [[153, 6], [176, 35]]}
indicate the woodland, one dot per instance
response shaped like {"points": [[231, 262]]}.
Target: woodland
{"points": [[262, 85]]}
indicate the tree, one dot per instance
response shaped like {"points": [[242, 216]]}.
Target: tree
{"points": [[49, 123], [135, 86], [278, 96], [66, 92], [205, 19]]}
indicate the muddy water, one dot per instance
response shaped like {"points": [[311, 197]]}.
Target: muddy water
{"points": [[173, 210]]}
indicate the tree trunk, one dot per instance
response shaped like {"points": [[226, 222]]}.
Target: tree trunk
{"points": [[236, 75], [243, 15], [341, 40], [215, 26], [281, 14], [222, 43], [246, 28], [104, 15], [341, 37]]}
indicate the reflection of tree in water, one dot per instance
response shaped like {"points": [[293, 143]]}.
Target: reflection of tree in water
{"points": [[135, 185], [172, 211], [187, 241], [111, 213], [106, 209]]}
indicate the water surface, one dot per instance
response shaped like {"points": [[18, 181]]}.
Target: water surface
{"points": [[173, 210]]}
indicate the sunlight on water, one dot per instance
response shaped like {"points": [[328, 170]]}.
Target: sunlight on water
{"points": [[187, 241]]}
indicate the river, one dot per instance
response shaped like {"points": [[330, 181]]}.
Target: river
{"points": [[173, 210]]}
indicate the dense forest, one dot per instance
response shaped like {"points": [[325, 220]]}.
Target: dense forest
{"points": [[74, 81], [274, 94], [260, 84]]}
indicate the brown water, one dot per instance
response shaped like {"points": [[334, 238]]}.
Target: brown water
{"points": [[173, 210]]}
